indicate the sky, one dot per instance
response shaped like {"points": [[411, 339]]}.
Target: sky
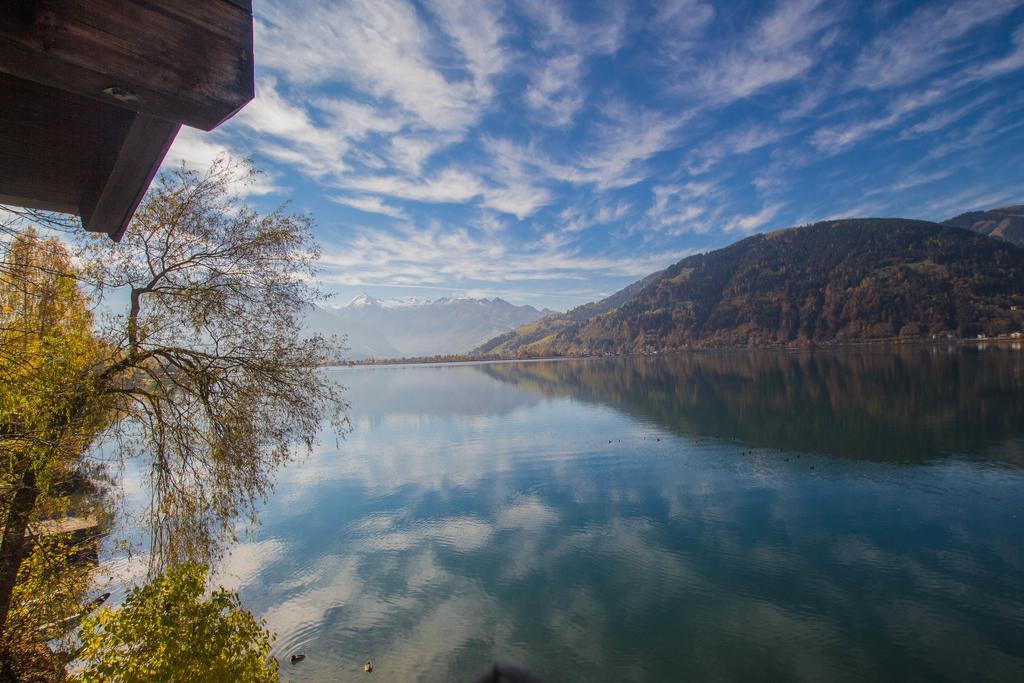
{"points": [[553, 152]]}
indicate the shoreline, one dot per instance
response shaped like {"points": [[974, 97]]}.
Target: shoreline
{"points": [[453, 359]]}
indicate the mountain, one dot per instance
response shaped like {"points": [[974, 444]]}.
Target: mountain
{"points": [[833, 281], [1006, 222], [396, 328]]}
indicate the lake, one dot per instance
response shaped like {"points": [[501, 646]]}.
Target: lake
{"points": [[835, 515]]}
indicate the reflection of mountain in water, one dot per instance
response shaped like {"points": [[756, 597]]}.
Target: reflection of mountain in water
{"points": [[902, 404]]}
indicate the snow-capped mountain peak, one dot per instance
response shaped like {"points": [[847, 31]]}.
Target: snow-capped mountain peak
{"points": [[390, 328], [363, 299]]}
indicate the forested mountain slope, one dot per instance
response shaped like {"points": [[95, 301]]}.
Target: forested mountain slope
{"points": [[842, 280]]}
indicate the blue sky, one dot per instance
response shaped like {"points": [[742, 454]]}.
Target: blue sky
{"points": [[552, 152]]}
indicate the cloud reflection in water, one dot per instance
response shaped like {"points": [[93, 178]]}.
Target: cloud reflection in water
{"points": [[640, 519]]}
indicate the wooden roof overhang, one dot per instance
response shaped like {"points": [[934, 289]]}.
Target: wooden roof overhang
{"points": [[93, 92]]}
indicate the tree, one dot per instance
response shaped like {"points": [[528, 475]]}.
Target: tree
{"points": [[49, 408], [204, 374], [167, 631]]}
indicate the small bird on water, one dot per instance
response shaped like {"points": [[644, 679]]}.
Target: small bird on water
{"points": [[297, 658], [368, 667]]}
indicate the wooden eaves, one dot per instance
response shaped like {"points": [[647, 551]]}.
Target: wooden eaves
{"points": [[93, 93]]}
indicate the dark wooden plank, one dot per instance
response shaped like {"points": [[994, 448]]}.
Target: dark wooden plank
{"points": [[63, 152], [133, 154], [187, 61], [48, 140]]}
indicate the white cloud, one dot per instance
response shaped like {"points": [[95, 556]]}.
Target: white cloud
{"points": [[691, 207], [555, 29], [384, 49], [681, 18], [437, 255], [408, 153], [924, 42], [752, 222], [450, 185], [987, 70], [556, 91], [945, 117], [611, 156], [370, 205], [198, 150], [837, 138], [741, 140], [356, 120], [475, 26], [785, 44], [286, 132], [419, 87], [574, 219], [519, 200], [840, 137], [917, 179]]}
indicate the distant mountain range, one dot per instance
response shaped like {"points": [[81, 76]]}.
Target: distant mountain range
{"points": [[1006, 222], [397, 328], [841, 280]]}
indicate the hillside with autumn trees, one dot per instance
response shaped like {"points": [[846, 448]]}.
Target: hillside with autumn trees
{"points": [[834, 281]]}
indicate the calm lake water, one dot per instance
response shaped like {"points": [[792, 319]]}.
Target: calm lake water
{"points": [[852, 515]]}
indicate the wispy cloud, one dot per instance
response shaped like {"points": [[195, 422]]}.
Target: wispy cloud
{"points": [[450, 185], [564, 45], [370, 205], [751, 222], [924, 42], [197, 151], [432, 255], [556, 91], [537, 140], [613, 153], [743, 139], [382, 48], [576, 219], [682, 208], [784, 44]]}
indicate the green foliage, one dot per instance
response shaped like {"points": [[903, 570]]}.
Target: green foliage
{"points": [[50, 587], [169, 631], [47, 349], [205, 375], [50, 411], [47, 597]]}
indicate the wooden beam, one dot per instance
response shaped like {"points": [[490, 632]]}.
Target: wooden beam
{"points": [[48, 138], [187, 61], [133, 151], [64, 152]]}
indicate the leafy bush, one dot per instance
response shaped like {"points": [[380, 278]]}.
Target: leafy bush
{"points": [[168, 631]]}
